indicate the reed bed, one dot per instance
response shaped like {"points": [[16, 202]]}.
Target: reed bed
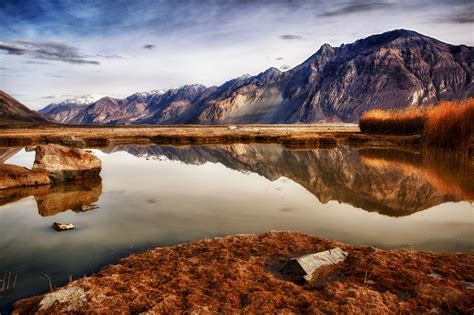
{"points": [[449, 124]]}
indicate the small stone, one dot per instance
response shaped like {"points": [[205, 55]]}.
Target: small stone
{"points": [[63, 226]]}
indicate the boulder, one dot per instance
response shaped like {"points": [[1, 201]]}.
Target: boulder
{"points": [[311, 266], [17, 176], [63, 163], [73, 142]]}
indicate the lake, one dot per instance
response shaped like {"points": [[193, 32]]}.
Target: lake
{"points": [[151, 196]]}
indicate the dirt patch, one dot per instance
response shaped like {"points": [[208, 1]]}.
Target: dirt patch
{"points": [[241, 274]]}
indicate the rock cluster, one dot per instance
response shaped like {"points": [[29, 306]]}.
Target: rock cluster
{"points": [[53, 164]]}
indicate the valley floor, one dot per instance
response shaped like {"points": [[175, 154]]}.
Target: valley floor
{"points": [[241, 274]]}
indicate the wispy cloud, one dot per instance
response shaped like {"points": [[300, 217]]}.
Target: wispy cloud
{"points": [[106, 56], [48, 97], [357, 7], [47, 51], [290, 37]]}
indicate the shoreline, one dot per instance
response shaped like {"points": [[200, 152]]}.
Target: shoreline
{"points": [[325, 135], [242, 273]]}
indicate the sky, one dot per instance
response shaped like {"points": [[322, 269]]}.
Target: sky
{"points": [[54, 50]]}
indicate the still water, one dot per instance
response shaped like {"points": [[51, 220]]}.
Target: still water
{"points": [[164, 195]]}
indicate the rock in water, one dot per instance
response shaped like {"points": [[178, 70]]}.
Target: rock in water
{"points": [[73, 142], [17, 176], [63, 163], [63, 226]]}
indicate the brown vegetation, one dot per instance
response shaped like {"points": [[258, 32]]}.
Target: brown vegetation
{"points": [[240, 274], [450, 124]]}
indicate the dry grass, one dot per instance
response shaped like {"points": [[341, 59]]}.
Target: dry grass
{"points": [[449, 124], [239, 274]]}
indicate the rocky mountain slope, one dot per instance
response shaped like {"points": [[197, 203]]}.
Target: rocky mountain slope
{"points": [[390, 70], [13, 112]]}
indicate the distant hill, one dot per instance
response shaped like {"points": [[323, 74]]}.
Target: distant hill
{"points": [[13, 112], [392, 70]]}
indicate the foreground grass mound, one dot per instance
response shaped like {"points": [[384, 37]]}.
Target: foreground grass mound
{"points": [[450, 124], [240, 274]]}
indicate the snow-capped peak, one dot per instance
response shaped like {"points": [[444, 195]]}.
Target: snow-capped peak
{"points": [[81, 100], [150, 93]]}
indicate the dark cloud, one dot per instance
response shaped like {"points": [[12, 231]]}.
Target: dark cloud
{"points": [[3, 68], [148, 46], [279, 58], [290, 37], [464, 17], [48, 97], [357, 6], [47, 51]]}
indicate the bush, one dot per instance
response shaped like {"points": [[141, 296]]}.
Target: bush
{"points": [[449, 124]]}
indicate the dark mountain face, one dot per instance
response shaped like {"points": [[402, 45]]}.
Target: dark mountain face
{"points": [[13, 112], [390, 70]]}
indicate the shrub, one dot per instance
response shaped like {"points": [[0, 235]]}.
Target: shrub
{"points": [[449, 124]]}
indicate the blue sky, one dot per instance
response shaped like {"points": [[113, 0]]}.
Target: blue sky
{"points": [[52, 50]]}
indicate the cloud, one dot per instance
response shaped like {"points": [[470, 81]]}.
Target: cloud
{"points": [[46, 51], [464, 17], [32, 62], [357, 6], [106, 56], [285, 67], [48, 97], [290, 37], [54, 75], [279, 58], [148, 46]]}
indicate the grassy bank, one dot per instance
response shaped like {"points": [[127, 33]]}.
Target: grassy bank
{"points": [[449, 124], [241, 274]]}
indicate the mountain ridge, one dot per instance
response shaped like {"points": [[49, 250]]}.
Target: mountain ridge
{"points": [[391, 70], [13, 112]]}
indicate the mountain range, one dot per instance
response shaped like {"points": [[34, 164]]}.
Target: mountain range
{"points": [[395, 69], [392, 70]]}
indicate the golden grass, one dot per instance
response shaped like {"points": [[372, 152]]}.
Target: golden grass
{"points": [[449, 124]]}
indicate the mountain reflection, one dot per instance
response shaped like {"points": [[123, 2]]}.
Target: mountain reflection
{"points": [[390, 182]]}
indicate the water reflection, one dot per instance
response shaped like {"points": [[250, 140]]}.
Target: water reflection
{"points": [[390, 182], [164, 195], [78, 196]]}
